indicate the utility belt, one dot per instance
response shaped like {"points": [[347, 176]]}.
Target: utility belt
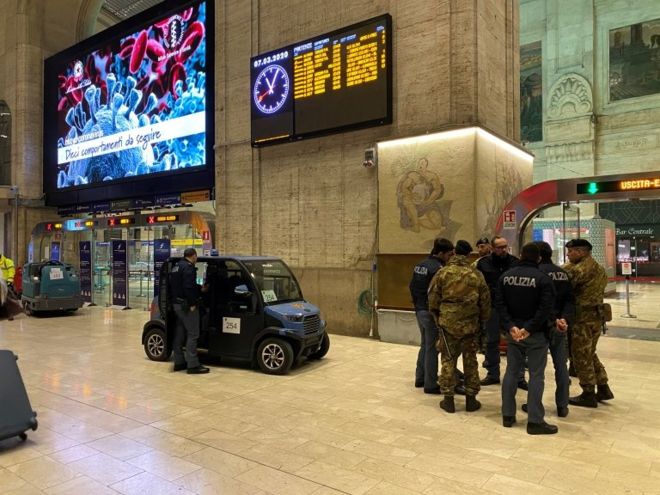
{"points": [[603, 311]]}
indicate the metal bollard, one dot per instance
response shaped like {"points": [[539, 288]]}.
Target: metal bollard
{"points": [[627, 313]]}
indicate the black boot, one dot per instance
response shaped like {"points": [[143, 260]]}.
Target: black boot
{"points": [[508, 421], [471, 403], [459, 390], [562, 411], [603, 392], [541, 429], [447, 404], [585, 399]]}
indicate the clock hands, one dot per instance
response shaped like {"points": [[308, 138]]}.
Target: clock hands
{"points": [[271, 84], [271, 89], [263, 95]]}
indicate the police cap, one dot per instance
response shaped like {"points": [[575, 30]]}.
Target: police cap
{"points": [[579, 243], [483, 240]]}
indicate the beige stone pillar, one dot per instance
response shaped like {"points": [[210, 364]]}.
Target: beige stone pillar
{"points": [[484, 65]]}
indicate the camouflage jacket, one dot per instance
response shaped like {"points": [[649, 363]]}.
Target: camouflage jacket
{"points": [[459, 295], [588, 279]]}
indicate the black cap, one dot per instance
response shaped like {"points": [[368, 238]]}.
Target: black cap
{"points": [[579, 243], [483, 240], [463, 248]]}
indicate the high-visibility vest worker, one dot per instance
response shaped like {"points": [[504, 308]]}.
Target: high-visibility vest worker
{"points": [[7, 269]]}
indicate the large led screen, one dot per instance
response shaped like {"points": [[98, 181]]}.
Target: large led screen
{"points": [[127, 113], [334, 82]]}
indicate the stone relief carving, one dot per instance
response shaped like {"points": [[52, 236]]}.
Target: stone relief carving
{"points": [[570, 96], [570, 152]]}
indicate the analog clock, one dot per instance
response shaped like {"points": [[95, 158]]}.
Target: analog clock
{"points": [[271, 89]]}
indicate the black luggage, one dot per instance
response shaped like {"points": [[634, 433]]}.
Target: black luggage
{"points": [[16, 414]]}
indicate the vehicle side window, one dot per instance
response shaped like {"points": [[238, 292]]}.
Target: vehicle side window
{"points": [[222, 285]]}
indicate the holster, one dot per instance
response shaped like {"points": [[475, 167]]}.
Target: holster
{"points": [[183, 302]]}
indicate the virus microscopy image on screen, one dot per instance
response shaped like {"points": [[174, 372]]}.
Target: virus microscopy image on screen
{"points": [[135, 106]]}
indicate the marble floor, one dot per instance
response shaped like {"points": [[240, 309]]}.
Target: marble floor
{"points": [[110, 421], [644, 304]]}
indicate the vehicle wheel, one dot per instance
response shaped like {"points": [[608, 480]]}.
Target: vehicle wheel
{"points": [[325, 346], [155, 345], [275, 356]]}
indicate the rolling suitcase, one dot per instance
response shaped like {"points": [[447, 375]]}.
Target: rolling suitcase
{"points": [[16, 414]]}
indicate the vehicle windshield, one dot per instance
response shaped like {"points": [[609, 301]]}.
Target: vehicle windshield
{"points": [[275, 281]]}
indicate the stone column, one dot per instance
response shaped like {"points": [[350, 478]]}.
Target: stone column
{"points": [[484, 65]]}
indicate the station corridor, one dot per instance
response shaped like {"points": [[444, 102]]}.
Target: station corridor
{"points": [[111, 421]]}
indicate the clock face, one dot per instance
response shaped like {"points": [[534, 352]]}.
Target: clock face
{"points": [[271, 89]]}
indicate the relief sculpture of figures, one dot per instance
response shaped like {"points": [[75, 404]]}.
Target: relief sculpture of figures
{"points": [[418, 194], [508, 183]]}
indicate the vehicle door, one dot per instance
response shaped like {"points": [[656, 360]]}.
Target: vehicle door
{"points": [[234, 318]]}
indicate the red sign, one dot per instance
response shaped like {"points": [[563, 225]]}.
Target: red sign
{"points": [[206, 235], [509, 219], [626, 268]]}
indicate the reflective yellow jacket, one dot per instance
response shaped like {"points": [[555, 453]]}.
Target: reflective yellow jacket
{"points": [[7, 268]]}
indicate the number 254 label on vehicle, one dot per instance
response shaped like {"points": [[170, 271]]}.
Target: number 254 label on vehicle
{"points": [[231, 325]]}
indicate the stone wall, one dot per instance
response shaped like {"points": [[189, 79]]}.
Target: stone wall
{"points": [[312, 202], [455, 64], [585, 133]]}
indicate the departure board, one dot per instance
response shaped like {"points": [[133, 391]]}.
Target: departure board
{"points": [[334, 82]]}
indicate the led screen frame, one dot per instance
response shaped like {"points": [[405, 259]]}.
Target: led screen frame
{"points": [[296, 134], [198, 177]]}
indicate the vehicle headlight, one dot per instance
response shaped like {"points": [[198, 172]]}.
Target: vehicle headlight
{"points": [[295, 318]]}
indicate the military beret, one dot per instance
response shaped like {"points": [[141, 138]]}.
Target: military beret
{"points": [[579, 243], [483, 240]]}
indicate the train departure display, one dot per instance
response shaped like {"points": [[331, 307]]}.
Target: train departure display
{"points": [[333, 82]]}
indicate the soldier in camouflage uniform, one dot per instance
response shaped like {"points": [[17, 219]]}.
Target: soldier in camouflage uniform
{"points": [[460, 301], [588, 279]]}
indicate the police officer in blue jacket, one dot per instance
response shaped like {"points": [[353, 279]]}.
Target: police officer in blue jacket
{"points": [[561, 320], [492, 267], [525, 301], [186, 297], [426, 373]]}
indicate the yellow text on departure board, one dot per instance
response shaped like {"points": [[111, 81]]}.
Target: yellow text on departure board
{"points": [[322, 69], [362, 60]]}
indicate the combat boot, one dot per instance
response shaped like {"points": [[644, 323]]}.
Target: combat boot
{"points": [[603, 392], [585, 399], [471, 403], [447, 404]]}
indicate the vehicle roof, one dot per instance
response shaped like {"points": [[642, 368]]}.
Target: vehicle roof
{"points": [[238, 257]]}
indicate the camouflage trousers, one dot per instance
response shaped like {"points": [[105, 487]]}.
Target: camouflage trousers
{"points": [[588, 367], [466, 346]]}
